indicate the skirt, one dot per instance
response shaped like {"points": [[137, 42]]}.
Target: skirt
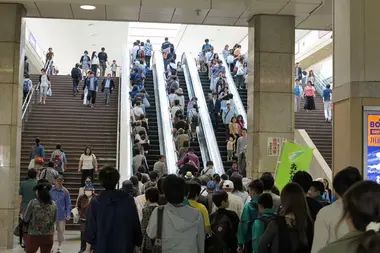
{"points": [[309, 103]]}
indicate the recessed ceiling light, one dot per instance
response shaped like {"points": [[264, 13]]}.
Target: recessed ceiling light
{"points": [[88, 7]]}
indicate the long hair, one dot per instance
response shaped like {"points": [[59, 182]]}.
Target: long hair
{"points": [[294, 202], [43, 192], [93, 55]]}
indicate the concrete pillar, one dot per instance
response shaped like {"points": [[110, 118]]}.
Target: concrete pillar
{"points": [[12, 44], [356, 76], [270, 87]]}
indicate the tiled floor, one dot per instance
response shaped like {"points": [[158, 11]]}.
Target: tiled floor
{"points": [[71, 245]]}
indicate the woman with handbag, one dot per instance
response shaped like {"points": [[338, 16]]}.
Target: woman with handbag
{"points": [[45, 86], [37, 156], [87, 165]]}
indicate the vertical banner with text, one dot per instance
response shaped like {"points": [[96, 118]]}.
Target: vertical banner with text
{"points": [[371, 139]]}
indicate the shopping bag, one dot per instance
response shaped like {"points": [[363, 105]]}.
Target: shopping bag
{"points": [[49, 92]]}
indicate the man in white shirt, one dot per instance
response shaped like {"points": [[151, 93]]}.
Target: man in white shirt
{"points": [[134, 51], [137, 110], [236, 203], [325, 226]]}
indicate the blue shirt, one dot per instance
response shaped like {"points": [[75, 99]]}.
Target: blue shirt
{"points": [[61, 197], [108, 84], [297, 91], [165, 45], [148, 49], [206, 47], [37, 150], [92, 85], [327, 94]]}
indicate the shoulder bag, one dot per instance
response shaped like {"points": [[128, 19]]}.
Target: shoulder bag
{"points": [[157, 247]]}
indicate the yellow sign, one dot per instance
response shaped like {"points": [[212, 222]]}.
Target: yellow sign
{"points": [[373, 133]]}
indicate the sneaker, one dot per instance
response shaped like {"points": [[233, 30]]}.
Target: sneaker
{"points": [[58, 250]]}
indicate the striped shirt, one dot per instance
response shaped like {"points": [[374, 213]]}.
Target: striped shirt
{"points": [[148, 49]]}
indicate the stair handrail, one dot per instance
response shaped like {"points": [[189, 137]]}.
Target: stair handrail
{"points": [[204, 116], [236, 101], [320, 83], [124, 140], [163, 111], [190, 92], [27, 105]]}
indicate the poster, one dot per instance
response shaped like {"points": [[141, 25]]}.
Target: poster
{"points": [[293, 158], [372, 146], [274, 145]]}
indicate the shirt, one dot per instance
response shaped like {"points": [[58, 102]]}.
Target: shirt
{"points": [[242, 142], [138, 111], [92, 84], [148, 49], [113, 67], [236, 204], [297, 91], [160, 167], [203, 210], [27, 193], [62, 200], [227, 115], [49, 174], [165, 45], [88, 161], [41, 217], [309, 91], [108, 84], [327, 95]]}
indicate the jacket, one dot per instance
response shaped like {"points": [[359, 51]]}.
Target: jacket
{"points": [[214, 108], [37, 150], [49, 174], [88, 81], [347, 244], [182, 229], [112, 223], [249, 214], [112, 85], [62, 200], [258, 229], [193, 157], [76, 74]]}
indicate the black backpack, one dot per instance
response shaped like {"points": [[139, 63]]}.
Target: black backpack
{"points": [[221, 228]]}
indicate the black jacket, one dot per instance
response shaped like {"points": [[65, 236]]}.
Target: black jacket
{"points": [[112, 223], [112, 85], [76, 74], [214, 108]]}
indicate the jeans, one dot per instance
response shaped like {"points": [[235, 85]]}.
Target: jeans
{"points": [[147, 60], [75, 86], [327, 107], [297, 103], [107, 92], [43, 91], [103, 67], [91, 96]]}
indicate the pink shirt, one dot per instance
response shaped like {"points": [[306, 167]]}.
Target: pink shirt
{"points": [[309, 91]]}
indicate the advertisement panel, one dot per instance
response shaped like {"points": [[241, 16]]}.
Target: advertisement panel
{"points": [[371, 143], [293, 158]]}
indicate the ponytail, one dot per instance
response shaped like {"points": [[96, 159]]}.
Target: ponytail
{"points": [[369, 242]]}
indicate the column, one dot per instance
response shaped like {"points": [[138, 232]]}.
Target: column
{"points": [[270, 88], [356, 76], [12, 47]]}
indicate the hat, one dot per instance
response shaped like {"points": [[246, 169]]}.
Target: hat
{"points": [[89, 187], [188, 175], [228, 102], [228, 184], [59, 177], [179, 91], [211, 185]]}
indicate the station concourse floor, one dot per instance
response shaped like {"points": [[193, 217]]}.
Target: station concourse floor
{"points": [[70, 245]]}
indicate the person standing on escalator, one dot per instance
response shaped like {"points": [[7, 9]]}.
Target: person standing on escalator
{"points": [[214, 108]]}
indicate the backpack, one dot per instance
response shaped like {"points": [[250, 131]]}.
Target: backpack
{"points": [[221, 228], [195, 119], [57, 160], [74, 73], [26, 86], [266, 220]]}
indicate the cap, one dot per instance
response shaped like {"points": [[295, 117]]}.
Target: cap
{"points": [[59, 177], [228, 184], [189, 175], [211, 185], [179, 91], [228, 102]]}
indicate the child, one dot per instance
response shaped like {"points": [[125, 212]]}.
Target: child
{"points": [[316, 192], [267, 213], [113, 68], [151, 195], [224, 225], [230, 148]]}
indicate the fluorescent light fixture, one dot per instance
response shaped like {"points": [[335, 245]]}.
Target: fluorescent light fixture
{"points": [[88, 7]]}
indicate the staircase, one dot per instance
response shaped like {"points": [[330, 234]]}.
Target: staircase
{"points": [[193, 144], [220, 133], [65, 120], [151, 114], [317, 128]]}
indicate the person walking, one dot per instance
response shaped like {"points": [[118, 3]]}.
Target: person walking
{"points": [[27, 86], [103, 59], [83, 203], [327, 102], [85, 62], [94, 63], [45, 84], [309, 97], [41, 215], [148, 48], [76, 75], [298, 93], [87, 165], [37, 156], [92, 88], [58, 157], [61, 196], [107, 86], [49, 61], [114, 68]]}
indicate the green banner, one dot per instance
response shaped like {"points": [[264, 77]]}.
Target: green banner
{"points": [[293, 158]]}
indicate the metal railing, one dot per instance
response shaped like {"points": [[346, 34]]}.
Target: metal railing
{"points": [[236, 101], [199, 130], [27, 104], [212, 145], [320, 83], [165, 129]]}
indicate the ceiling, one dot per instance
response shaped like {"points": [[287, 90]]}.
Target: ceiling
{"points": [[310, 14]]}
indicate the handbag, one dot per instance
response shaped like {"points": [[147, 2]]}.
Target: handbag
{"points": [[49, 92], [146, 102], [157, 247]]}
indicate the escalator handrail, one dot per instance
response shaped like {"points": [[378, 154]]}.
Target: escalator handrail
{"points": [[163, 103], [124, 152], [236, 101], [204, 116], [199, 129]]}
